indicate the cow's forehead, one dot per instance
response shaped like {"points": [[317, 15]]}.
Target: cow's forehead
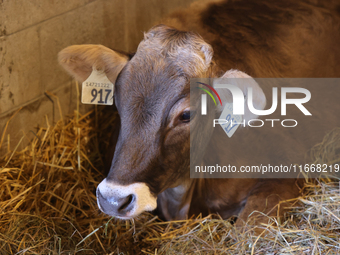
{"points": [[147, 87], [151, 76]]}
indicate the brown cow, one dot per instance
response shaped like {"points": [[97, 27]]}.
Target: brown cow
{"points": [[150, 167]]}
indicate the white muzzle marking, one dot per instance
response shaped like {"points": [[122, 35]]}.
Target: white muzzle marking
{"points": [[144, 200]]}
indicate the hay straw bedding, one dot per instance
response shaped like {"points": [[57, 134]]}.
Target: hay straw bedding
{"points": [[48, 205]]}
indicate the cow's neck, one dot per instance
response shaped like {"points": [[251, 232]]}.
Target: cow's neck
{"points": [[174, 203]]}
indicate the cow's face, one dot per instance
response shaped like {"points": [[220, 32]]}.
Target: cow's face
{"points": [[152, 98]]}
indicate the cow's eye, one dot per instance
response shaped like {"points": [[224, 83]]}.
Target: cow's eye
{"points": [[186, 116]]}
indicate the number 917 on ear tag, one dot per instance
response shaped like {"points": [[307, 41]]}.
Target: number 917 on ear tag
{"points": [[97, 89]]}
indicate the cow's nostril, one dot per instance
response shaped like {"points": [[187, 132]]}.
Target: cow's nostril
{"points": [[125, 203]]}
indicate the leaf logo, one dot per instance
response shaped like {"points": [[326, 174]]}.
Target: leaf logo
{"points": [[204, 97]]}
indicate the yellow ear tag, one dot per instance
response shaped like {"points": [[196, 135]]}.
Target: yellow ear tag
{"points": [[97, 89]]}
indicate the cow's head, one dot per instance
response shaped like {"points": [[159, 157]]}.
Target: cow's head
{"points": [[152, 98]]}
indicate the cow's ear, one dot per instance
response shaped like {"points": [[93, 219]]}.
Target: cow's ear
{"points": [[79, 60], [243, 81]]}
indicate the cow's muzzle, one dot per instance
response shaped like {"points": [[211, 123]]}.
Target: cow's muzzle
{"points": [[124, 201]]}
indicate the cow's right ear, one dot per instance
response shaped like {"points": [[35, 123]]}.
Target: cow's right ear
{"points": [[79, 61], [243, 81]]}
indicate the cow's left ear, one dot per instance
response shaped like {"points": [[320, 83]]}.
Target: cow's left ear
{"points": [[79, 61], [243, 81]]}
